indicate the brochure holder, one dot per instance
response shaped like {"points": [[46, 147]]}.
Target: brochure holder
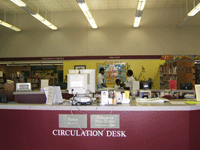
{"points": [[53, 95], [197, 90]]}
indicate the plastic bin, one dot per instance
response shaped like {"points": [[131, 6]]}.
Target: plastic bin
{"points": [[3, 98]]}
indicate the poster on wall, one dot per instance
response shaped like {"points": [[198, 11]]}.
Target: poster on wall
{"points": [[1, 73], [113, 71]]}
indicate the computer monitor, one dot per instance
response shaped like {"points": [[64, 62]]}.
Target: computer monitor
{"points": [[144, 85], [81, 81], [186, 86], [23, 87]]}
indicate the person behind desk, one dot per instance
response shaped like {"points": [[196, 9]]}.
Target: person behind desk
{"points": [[130, 79], [100, 79], [117, 85]]}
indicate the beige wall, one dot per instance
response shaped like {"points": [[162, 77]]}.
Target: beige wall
{"points": [[157, 35]]}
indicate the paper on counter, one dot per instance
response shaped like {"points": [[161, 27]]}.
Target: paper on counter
{"points": [[126, 94], [151, 100], [191, 102], [177, 102]]}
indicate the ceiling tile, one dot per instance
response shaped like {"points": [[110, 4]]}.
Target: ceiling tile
{"points": [[65, 5]]}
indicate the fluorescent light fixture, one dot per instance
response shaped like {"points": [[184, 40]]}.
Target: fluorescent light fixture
{"points": [[29, 10], [53, 27], [92, 23], [141, 4], [46, 22], [5, 24], [34, 14], [87, 13], [183, 21], [140, 7], [38, 16], [83, 6], [19, 3], [15, 28], [137, 21], [193, 12]]}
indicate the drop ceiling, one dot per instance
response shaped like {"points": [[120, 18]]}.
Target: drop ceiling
{"points": [[71, 5]]}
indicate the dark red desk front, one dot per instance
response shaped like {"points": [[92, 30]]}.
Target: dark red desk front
{"points": [[28, 127]]}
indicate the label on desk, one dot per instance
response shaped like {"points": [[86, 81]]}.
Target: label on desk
{"points": [[72, 121], [104, 121]]}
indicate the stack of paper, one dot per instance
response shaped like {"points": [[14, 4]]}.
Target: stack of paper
{"points": [[176, 102], [190, 96], [151, 100]]}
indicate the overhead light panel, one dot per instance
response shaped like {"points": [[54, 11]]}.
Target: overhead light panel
{"points": [[28, 9], [38, 16], [87, 13], [5, 24], [46, 22], [137, 21], [184, 20], [193, 12], [53, 27], [140, 8], [34, 14], [19, 3], [141, 4]]}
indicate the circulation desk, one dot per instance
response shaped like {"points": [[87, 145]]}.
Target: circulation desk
{"points": [[135, 126], [38, 97]]}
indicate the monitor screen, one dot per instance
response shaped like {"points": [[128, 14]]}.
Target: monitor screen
{"points": [[186, 86], [144, 85], [77, 83], [23, 87]]}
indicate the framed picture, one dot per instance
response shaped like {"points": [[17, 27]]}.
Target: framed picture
{"points": [[77, 67]]}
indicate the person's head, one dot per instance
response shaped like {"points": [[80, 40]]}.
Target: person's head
{"points": [[117, 81], [101, 70], [129, 73]]}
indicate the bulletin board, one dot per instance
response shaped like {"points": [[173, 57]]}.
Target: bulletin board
{"points": [[113, 71]]}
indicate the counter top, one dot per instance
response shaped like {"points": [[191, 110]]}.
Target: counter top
{"points": [[65, 91], [132, 106], [34, 92]]}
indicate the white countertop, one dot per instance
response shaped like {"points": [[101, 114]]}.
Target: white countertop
{"points": [[34, 92], [132, 106], [65, 91]]}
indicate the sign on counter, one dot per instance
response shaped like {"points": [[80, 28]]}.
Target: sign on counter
{"points": [[104, 121], [72, 121]]}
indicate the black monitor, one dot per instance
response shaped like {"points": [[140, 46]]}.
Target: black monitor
{"points": [[144, 85], [185, 86]]}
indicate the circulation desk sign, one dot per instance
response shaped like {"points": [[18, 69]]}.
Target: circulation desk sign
{"points": [[98, 124]]}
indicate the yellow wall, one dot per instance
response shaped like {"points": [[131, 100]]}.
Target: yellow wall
{"points": [[60, 67], [151, 67]]}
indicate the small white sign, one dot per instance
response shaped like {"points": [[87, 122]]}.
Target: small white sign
{"points": [[53, 95], [197, 90], [44, 83], [50, 96], [104, 97]]}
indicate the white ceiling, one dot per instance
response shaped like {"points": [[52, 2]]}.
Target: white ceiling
{"points": [[70, 5]]}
